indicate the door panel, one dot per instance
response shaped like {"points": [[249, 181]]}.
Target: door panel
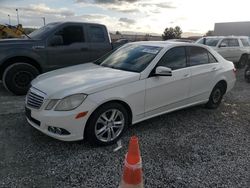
{"points": [[202, 81], [74, 50], [162, 91], [203, 67], [61, 56], [231, 51], [168, 92]]}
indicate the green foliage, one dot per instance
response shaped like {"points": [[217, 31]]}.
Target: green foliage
{"points": [[210, 33], [118, 33], [172, 33]]}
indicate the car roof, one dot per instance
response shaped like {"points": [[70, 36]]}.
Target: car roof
{"points": [[168, 44], [72, 22], [220, 37]]}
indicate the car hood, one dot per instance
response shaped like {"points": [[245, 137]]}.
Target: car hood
{"points": [[16, 41], [85, 78]]}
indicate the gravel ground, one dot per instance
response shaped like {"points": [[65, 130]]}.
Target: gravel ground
{"points": [[194, 147]]}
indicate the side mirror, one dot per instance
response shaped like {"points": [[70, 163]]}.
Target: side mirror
{"points": [[163, 71], [223, 45], [56, 40]]}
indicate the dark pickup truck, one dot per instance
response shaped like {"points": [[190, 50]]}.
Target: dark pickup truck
{"points": [[53, 46]]}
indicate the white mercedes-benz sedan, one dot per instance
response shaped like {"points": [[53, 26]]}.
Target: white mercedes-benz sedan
{"points": [[138, 81]]}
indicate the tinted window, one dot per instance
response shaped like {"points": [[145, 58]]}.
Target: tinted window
{"points": [[230, 42], [96, 34], [174, 58], [43, 31], [233, 42], [209, 41], [132, 57], [245, 42], [211, 58], [71, 34], [198, 56]]}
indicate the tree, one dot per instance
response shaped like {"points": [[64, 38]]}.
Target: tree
{"points": [[172, 33], [210, 33], [117, 33]]}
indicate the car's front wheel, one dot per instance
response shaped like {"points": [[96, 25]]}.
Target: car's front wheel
{"points": [[216, 96], [107, 124]]}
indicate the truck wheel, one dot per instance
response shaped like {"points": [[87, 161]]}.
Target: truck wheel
{"points": [[243, 61], [17, 77], [247, 74]]}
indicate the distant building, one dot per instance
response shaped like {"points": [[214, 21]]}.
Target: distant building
{"points": [[232, 28]]}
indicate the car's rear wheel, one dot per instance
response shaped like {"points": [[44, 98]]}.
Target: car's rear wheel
{"points": [[247, 74], [107, 124], [243, 61], [17, 77], [216, 96]]}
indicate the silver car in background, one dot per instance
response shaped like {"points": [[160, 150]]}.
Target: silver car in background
{"points": [[232, 48]]}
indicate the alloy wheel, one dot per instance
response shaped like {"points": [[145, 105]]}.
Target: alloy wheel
{"points": [[109, 125]]}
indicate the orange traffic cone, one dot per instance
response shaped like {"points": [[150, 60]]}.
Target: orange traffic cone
{"points": [[132, 172]]}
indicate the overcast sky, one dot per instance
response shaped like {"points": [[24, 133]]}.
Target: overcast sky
{"points": [[148, 16]]}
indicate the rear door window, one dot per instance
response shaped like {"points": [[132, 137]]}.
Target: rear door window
{"points": [[198, 56], [245, 42], [96, 34], [233, 43], [212, 59], [230, 43]]}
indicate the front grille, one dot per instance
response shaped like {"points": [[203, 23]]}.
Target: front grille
{"points": [[34, 99]]}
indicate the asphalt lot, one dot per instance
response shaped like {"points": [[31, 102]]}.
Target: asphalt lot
{"points": [[194, 147]]}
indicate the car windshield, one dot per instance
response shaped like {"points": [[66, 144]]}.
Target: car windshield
{"points": [[132, 57], [209, 41], [40, 33]]}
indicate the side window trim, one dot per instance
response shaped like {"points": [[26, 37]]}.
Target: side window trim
{"points": [[210, 54]]}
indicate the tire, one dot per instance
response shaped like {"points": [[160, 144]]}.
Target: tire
{"points": [[98, 129], [247, 74], [17, 77], [216, 96], [243, 61]]}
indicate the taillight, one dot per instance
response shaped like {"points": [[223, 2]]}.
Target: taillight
{"points": [[234, 70]]}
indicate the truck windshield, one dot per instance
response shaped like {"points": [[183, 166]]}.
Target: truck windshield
{"points": [[41, 32], [131, 57]]}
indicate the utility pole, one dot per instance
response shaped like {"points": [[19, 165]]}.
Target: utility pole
{"points": [[17, 16], [43, 20], [9, 19]]}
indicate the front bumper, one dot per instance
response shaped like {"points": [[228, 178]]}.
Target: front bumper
{"points": [[43, 119]]}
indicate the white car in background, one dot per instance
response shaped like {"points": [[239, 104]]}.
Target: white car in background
{"points": [[232, 48], [138, 81]]}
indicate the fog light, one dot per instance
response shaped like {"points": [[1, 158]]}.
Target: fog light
{"points": [[58, 131]]}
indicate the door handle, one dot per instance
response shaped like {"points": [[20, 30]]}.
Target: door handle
{"points": [[214, 69], [186, 75]]}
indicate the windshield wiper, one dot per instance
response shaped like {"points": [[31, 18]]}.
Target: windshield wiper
{"points": [[22, 32]]}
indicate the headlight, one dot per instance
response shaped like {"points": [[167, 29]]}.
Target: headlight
{"points": [[51, 104], [70, 103]]}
